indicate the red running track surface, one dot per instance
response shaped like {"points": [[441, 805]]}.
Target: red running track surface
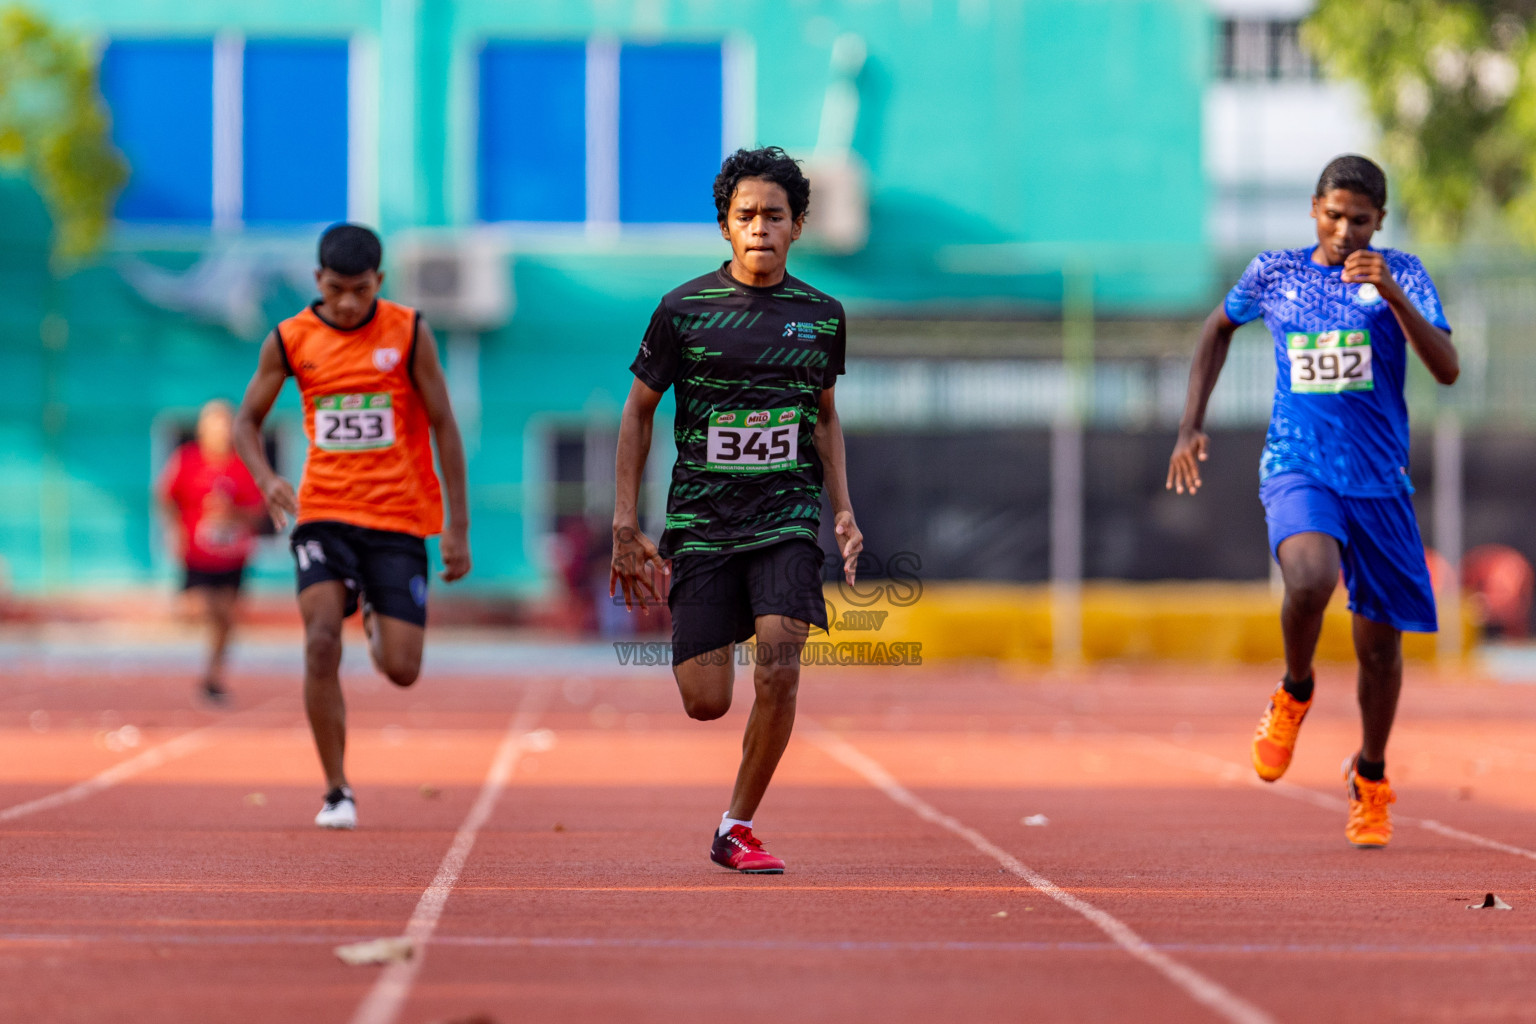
{"points": [[188, 884]]}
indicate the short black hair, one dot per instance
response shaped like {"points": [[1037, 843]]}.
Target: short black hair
{"points": [[1356, 174], [350, 249], [769, 163]]}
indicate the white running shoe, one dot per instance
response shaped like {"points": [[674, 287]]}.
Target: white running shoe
{"points": [[340, 810]]}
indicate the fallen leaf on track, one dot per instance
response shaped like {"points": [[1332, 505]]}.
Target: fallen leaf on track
{"points": [[1490, 902], [539, 741], [1001, 913], [256, 799], [376, 951], [429, 792], [1035, 820]]}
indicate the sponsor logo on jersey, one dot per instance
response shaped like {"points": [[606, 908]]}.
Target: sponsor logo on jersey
{"points": [[351, 401], [1368, 295], [800, 330], [786, 415], [757, 419], [725, 418], [386, 359]]}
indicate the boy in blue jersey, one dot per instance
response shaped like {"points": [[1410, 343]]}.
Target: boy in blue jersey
{"points": [[1334, 474]]}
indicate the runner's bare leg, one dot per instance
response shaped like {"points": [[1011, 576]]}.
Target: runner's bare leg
{"points": [[706, 681], [776, 684], [395, 647], [219, 611], [1379, 648], [322, 606], [1309, 563]]}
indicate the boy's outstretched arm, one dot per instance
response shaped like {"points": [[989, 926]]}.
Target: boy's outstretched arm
{"points": [[260, 393], [427, 371], [829, 445], [1190, 449], [637, 566]]}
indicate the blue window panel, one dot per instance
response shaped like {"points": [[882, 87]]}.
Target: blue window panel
{"points": [[669, 132], [161, 96], [533, 140], [295, 141]]}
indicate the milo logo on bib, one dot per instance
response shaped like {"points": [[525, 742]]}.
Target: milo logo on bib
{"points": [[754, 440], [1329, 362]]}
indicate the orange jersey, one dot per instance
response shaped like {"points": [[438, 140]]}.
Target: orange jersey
{"points": [[370, 445]]}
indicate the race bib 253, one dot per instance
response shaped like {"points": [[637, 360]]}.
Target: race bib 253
{"points": [[354, 423]]}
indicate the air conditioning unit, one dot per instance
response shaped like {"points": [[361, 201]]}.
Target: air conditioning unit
{"points": [[459, 282], [839, 218]]}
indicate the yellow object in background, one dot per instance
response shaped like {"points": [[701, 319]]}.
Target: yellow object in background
{"points": [[1212, 623]]}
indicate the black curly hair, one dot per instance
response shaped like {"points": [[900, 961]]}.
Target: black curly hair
{"points": [[769, 163], [350, 249], [1354, 174]]}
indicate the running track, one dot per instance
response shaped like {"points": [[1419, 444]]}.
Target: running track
{"points": [[554, 864]]}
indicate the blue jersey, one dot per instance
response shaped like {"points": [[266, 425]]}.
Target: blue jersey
{"points": [[1341, 358]]}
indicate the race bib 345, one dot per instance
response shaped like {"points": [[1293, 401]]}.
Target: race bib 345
{"points": [[754, 440]]}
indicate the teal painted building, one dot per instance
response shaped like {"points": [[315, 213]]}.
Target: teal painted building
{"points": [[1004, 146]]}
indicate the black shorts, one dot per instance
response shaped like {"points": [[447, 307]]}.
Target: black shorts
{"points": [[716, 598], [384, 568], [216, 578]]}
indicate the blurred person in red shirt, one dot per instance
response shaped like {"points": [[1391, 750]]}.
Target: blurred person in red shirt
{"points": [[213, 506], [1501, 582]]}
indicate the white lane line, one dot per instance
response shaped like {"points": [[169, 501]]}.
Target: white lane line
{"points": [[149, 760], [387, 997], [581, 942], [1197, 986], [1472, 837], [1230, 770]]}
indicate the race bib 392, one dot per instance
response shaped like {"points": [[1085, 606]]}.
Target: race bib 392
{"points": [[754, 440], [1328, 362], [354, 423]]}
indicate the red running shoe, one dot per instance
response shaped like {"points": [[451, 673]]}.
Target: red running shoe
{"points": [[741, 851]]}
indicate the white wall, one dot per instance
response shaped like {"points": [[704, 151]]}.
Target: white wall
{"points": [[1266, 140]]}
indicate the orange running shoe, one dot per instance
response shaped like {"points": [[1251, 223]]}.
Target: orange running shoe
{"points": [[1370, 823], [1275, 739]]}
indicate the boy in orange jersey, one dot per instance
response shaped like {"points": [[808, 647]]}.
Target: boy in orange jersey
{"points": [[374, 396]]}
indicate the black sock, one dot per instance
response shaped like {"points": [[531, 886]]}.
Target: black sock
{"points": [[1299, 689], [1375, 771]]}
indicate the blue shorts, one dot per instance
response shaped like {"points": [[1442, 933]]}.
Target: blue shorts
{"points": [[1383, 555]]}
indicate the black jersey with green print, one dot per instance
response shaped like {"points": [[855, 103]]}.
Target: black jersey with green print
{"points": [[748, 365]]}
